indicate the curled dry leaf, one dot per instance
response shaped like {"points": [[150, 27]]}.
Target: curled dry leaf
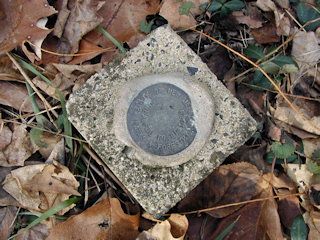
{"points": [[67, 78], [15, 146], [305, 50], [9, 72], [312, 219], [226, 184], [309, 109], [83, 18], [42, 186], [174, 228], [289, 207], [301, 177], [19, 20], [16, 95], [5, 198], [106, 220], [52, 142]]}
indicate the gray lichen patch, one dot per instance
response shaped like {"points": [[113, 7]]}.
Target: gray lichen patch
{"points": [[95, 109]]}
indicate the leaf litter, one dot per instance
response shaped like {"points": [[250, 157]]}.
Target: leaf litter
{"points": [[262, 194]]}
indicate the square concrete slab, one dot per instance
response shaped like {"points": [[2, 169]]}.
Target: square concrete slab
{"points": [[160, 120]]}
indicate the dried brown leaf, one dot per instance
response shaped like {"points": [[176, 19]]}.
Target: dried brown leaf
{"points": [[38, 232], [5, 198], [83, 18], [219, 63], [309, 109], [258, 220], [125, 15], [312, 219], [16, 95], [106, 220], [255, 157], [226, 184], [19, 22], [283, 3], [63, 14], [289, 207], [20, 148], [170, 11], [7, 216], [250, 20], [8, 71], [42, 186], [175, 227], [66, 77], [305, 51], [314, 194], [52, 141], [89, 50], [266, 34]]}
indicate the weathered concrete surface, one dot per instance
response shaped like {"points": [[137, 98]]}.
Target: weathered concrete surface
{"points": [[92, 108]]}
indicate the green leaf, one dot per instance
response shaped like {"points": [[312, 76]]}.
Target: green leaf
{"points": [[221, 1], [254, 52], [261, 81], [289, 68], [299, 229], [270, 67], [234, 5], [224, 11], [313, 167], [144, 27], [34, 103], [185, 8], [35, 136], [312, 15], [302, 13], [284, 150], [49, 213], [227, 230], [268, 157], [215, 6], [283, 60], [316, 154]]}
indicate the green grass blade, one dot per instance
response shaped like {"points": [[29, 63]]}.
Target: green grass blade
{"points": [[66, 122], [112, 39], [49, 213], [227, 230], [34, 103]]}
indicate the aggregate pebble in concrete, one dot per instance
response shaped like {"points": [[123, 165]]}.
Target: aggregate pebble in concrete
{"points": [[91, 110]]}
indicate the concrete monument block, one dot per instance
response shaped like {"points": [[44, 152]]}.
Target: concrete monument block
{"points": [[160, 120]]}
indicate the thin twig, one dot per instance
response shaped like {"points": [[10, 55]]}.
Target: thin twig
{"points": [[264, 73]]}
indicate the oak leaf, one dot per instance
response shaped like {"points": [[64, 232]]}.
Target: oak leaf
{"points": [[174, 228], [106, 220], [42, 186], [15, 146], [20, 22]]}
